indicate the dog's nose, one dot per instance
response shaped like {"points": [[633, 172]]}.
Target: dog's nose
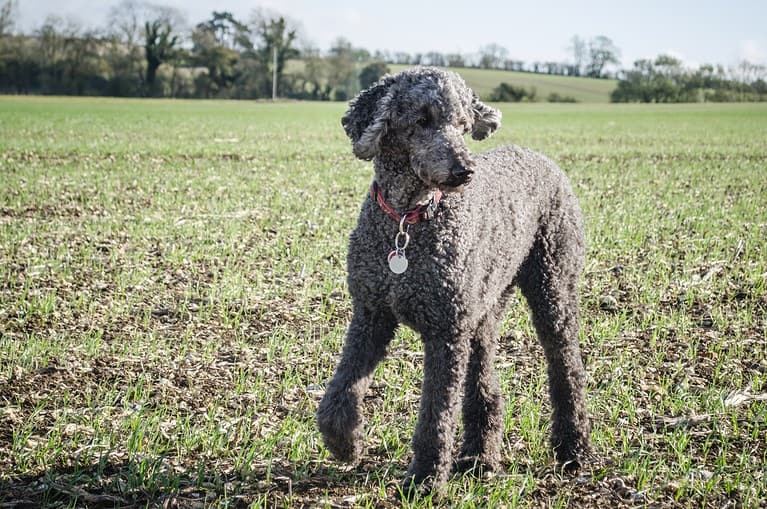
{"points": [[462, 171], [461, 174]]}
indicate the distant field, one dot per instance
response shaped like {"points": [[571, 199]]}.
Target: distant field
{"points": [[586, 90], [173, 298]]}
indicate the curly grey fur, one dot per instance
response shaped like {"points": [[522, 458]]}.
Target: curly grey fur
{"points": [[516, 222]]}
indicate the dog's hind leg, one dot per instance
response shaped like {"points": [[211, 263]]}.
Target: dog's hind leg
{"points": [[482, 404], [339, 416], [548, 280]]}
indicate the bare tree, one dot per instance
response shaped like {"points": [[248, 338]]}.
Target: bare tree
{"points": [[67, 56], [551, 67], [7, 17], [124, 54], [125, 21], [434, 58], [748, 73], [602, 52], [52, 46], [401, 57], [455, 60], [492, 56], [579, 51], [513, 65]]}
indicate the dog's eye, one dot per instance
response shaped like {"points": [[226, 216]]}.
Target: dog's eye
{"points": [[425, 118], [423, 121]]}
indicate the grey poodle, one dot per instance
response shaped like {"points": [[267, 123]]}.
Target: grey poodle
{"points": [[441, 242]]}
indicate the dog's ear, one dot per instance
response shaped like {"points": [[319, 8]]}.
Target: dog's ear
{"points": [[487, 119], [366, 120]]}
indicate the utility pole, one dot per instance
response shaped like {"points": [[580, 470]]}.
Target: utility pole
{"points": [[274, 75]]}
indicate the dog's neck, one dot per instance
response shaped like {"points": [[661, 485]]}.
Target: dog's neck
{"points": [[401, 187]]}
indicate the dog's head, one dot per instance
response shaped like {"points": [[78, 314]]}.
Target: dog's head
{"points": [[423, 113]]}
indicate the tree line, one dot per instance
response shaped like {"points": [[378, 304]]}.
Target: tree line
{"points": [[665, 80], [591, 58], [149, 50], [144, 52]]}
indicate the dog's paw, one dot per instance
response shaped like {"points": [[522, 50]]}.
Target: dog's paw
{"points": [[475, 466], [341, 429], [347, 448], [413, 487], [573, 456]]}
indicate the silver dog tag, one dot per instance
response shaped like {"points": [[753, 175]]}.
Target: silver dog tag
{"points": [[397, 261]]}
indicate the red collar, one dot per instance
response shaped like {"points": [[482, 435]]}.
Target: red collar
{"points": [[423, 212]]}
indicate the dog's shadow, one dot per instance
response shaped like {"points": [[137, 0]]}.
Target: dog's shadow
{"points": [[158, 482]]}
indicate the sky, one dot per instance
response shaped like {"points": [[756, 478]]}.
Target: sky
{"points": [[703, 31]]}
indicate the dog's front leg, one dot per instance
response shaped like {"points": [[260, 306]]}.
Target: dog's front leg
{"points": [[339, 416], [482, 405], [445, 360]]}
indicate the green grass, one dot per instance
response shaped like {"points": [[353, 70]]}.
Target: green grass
{"points": [[585, 90], [173, 298]]}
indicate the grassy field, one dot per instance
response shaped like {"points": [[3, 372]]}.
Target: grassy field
{"points": [[585, 90], [173, 298]]}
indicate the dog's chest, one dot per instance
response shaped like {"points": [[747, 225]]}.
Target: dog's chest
{"points": [[424, 292], [422, 301]]}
